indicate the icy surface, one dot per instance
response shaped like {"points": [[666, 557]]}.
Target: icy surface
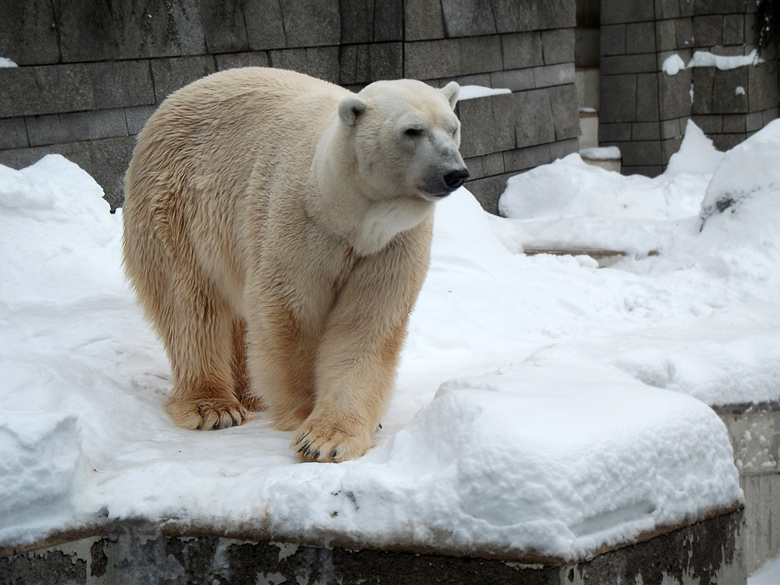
{"points": [[542, 405]]}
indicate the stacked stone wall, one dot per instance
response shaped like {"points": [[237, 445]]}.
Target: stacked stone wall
{"points": [[91, 73], [644, 111]]}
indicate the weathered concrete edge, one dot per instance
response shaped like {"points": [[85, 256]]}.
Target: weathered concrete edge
{"points": [[180, 529]]}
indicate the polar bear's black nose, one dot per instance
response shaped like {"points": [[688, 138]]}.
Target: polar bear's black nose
{"points": [[455, 179]]}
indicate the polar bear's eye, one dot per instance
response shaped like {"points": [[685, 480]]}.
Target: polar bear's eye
{"points": [[413, 132]]}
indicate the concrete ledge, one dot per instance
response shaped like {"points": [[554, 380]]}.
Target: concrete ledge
{"points": [[137, 552]]}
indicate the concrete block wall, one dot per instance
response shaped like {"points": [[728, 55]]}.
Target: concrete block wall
{"points": [[644, 111], [91, 73]]}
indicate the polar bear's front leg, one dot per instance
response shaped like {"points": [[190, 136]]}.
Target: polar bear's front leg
{"points": [[358, 354]]}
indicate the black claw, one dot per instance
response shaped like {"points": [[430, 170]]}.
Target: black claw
{"points": [[305, 446], [316, 455], [334, 454], [302, 437]]}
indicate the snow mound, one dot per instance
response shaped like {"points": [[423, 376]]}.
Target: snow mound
{"points": [[40, 459]]}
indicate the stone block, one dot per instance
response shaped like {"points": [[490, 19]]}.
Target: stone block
{"points": [[481, 79], [292, 59], [556, 14], [613, 39], [708, 30], [618, 98], [670, 147], [703, 79], [517, 15], [224, 28], [136, 118], [357, 21], [235, 60], [311, 23], [422, 20], [493, 164], [94, 30], [534, 123], [521, 50], [488, 124], [362, 64], [622, 11], [480, 55], [44, 89], [666, 35], [754, 121], [13, 133], [637, 154], [762, 86], [609, 133], [554, 75], [121, 83], [720, 6], [724, 142], [674, 94], [684, 28], [647, 109], [620, 64], [474, 165], [558, 46], [770, 115], [672, 128], [687, 8], [640, 38], [526, 158], [466, 18], [566, 119], [725, 99], [323, 63], [516, 80], [645, 131], [489, 190], [562, 148], [75, 127], [28, 33], [733, 29], [264, 25], [709, 123], [431, 59], [733, 123], [388, 21], [174, 73], [666, 9]]}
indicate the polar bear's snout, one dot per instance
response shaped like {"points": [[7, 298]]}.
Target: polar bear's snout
{"points": [[455, 179], [445, 182]]}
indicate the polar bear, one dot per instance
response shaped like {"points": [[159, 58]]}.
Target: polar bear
{"points": [[277, 232]]}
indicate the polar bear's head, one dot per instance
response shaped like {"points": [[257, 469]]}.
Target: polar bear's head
{"points": [[405, 138]]}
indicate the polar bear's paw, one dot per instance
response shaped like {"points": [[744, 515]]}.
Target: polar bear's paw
{"points": [[315, 441], [206, 414]]}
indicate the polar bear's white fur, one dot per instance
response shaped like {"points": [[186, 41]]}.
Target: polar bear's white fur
{"points": [[277, 233]]}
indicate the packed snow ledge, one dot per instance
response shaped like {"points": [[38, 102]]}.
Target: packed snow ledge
{"points": [[543, 408]]}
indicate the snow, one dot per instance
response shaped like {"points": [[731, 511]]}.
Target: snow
{"points": [[543, 406], [768, 574], [673, 64], [6, 62], [601, 153], [470, 92]]}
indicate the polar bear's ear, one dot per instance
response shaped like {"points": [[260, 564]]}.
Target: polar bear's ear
{"points": [[451, 91], [350, 109]]}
